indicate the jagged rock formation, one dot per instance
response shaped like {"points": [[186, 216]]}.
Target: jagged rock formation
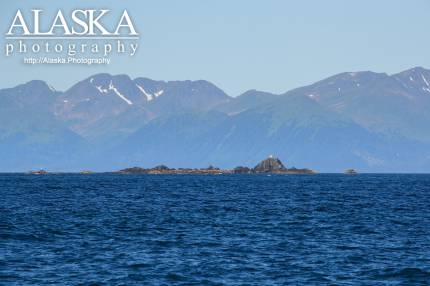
{"points": [[161, 168], [273, 165], [133, 170], [242, 170], [270, 165]]}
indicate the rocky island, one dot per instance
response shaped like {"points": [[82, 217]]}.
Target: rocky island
{"points": [[350, 172], [38, 172], [271, 165]]}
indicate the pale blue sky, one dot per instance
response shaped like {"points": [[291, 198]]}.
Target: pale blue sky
{"points": [[270, 45]]}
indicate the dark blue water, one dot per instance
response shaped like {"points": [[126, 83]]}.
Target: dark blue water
{"points": [[215, 230]]}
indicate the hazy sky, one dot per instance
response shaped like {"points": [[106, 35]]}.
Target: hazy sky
{"points": [[270, 45]]}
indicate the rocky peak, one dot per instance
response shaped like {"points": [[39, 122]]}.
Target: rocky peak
{"points": [[416, 79], [270, 165], [161, 168]]}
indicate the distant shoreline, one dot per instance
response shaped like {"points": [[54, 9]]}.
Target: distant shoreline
{"points": [[271, 165], [59, 173], [154, 174]]}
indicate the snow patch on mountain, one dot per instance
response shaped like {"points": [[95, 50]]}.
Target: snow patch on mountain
{"points": [[425, 80], [149, 97], [158, 93], [102, 90], [116, 91]]}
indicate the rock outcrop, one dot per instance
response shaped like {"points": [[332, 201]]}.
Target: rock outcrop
{"points": [[350, 172], [242, 170], [38, 172], [161, 168], [270, 165], [133, 170]]}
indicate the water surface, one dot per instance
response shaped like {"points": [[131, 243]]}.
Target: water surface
{"points": [[215, 230]]}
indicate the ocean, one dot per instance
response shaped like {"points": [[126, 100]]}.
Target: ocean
{"points": [[111, 229]]}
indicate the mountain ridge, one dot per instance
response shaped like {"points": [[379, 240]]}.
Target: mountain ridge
{"points": [[363, 120]]}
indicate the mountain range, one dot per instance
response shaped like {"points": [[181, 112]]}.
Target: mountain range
{"points": [[373, 122]]}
